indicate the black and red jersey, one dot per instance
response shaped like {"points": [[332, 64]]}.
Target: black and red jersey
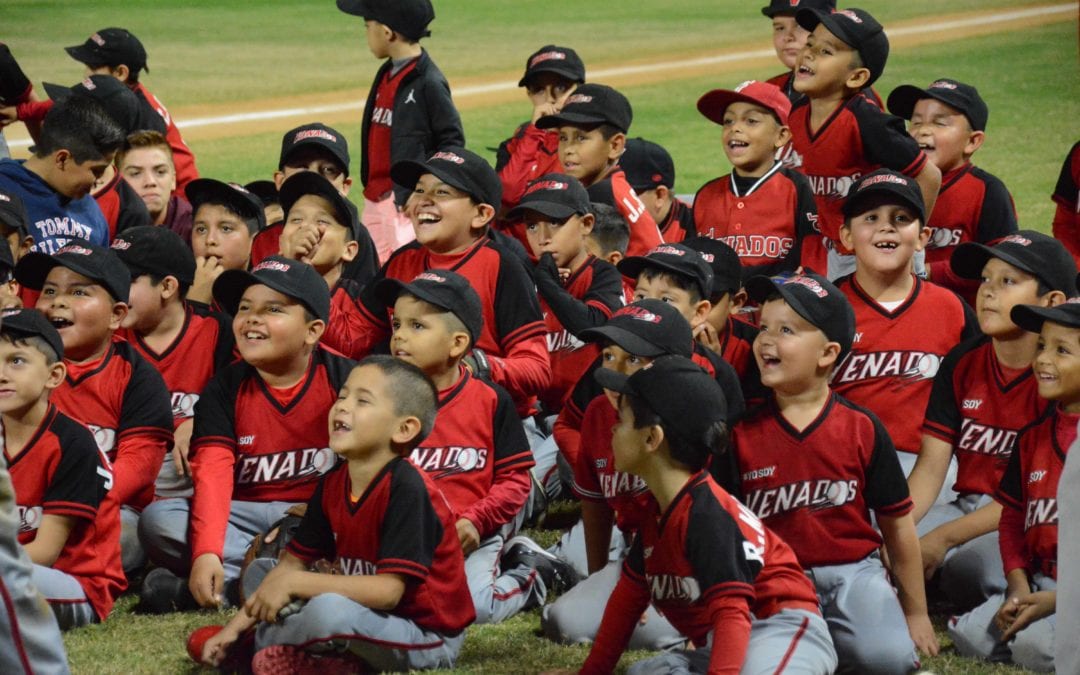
{"points": [[521, 159], [204, 346], [763, 219], [478, 454], [121, 205], [1067, 197], [613, 190], [267, 242], [61, 472], [125, 403], [255, 443], [1029, 491], [815, 488], [593, 292], [595, 477], [678, 223], [894, 357], [513, 332], [856, 139], [785, 81], [183, 158], [401, 524], [737, 348], [978, 407], [377, 183]]}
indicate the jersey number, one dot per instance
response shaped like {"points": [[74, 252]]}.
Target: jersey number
{"points": [[634, 208], [104, 470]]}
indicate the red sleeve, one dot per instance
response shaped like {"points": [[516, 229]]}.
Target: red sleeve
{"points": [[212, 477], [347, 331], [624, 609], [731, 633], [138, 461], [33, 111], [504, 500], [1011, 539], [525, 367], [521, 166], [941, 273], [567, 432], [1065, 229]]}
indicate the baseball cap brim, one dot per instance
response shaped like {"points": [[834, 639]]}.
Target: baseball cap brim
{"points": [[631, 267], [760, 288], [229, 289], [549, 209], [81, 54], [33, 268], [560, 68], [902, 100], [714, 103], [354, 7], [850, 209], [388, 290], [631, 342], [1032, 317], [570, 119], [970, 257], [57, 92], [311, 183], [25, 323], [613, 381], [406, 173], [202, 190]]}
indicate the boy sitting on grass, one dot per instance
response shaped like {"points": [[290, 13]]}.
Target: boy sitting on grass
{"points": [[398, 598]]}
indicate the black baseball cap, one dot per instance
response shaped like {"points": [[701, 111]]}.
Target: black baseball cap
{"points": [[408, 17], [647, 165], [93, 262], [118, 100], [265, 190], [7, 261], [813, 298], [561, 61], [149, 249], [777, 7], [687, 399], [724, 261], [676, 258], [1032, 317], [316, 134], [13, 212], [24, 323], [442, 288], [458, 167], [293, 278], [234, 196], [311, 183], [1033, 252], [885, 181], [555, 195], [111, 47], [646, 328], [591, 105], [963, 97], [857, 29]]}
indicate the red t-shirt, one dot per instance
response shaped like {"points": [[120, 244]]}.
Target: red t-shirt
{"points": [[1067, 197], [378, 140], [613, 190]]}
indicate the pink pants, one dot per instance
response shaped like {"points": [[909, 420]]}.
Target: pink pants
{"points": [[390, 228]]}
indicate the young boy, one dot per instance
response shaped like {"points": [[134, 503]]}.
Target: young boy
{"points": [[714, 570], [477, 453], [398, 598], [762, 210], [838, 134], [408, 115], [146, 163], [77, 142], [650, 171], [1066, 196], [551, 75], [1019, 625], [226, 219], [592, 126], [983, 394], [259, 443], [185, 342], [58, 477], [948, 120], [813, 465], [609, 239], [893, 359], [267, 192], [789, 38]]}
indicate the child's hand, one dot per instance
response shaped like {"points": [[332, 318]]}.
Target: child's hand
{"points": [[303, 243], [708, 337], [216, 648], [468, 535], [1029, 609], [8, 115], [181, 445], [933, 549], [272, 594], [1008, 611], [207, 270], [922, 634], [207, 580]]}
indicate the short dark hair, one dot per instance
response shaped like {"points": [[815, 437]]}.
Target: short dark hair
{"points": [[413, 392], [81, 126], [34, 341], [252, 222], [156, 279], [692, 452], [133, 73], [609, 229], [609, 130], [680, 281]]}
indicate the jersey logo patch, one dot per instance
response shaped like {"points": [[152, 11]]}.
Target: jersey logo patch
{"points": [[444, 462], [1041, 512], [29, 518], [909, 366], [356, 566], [183, 405], [814, 494], [410, 98], [972, 403], [671, 588], [984, 439], [1036, 476], [105, 438], [284, 466]]}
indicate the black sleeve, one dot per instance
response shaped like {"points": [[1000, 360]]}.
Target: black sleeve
{"points": [[146, 403], [885, 138], [1011, 488], [502, 154], [516, 303], [602, 193], [587, 388], [942, 411], [728, 380], [997, 217], [443, 115], [225, 347], [410, 530], [577, 315], [71, 484], [806, 218], [363, 268], [215, 411], [971, 322], [714, 548], [885, 483], [314, 538], [337, 368], [508, 432], [1066, 190], [133, 211]]}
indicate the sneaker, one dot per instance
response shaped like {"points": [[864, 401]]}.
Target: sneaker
{"points": [[163, 592], [293, 660], [558, 575], [237, 657]]}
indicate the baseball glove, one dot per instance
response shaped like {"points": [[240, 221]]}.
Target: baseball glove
{"points": [[14, 85], [272, 544]]}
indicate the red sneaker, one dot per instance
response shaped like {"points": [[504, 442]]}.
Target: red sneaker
{"points": [[293, 660], [238, 656]]}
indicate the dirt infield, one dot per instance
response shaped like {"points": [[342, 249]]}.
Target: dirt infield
{"points": [[209, 122]]}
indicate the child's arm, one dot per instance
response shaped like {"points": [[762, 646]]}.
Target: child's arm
{"points": [[939, 541], [380, 592], [596, 520], [1068, 209], [928, 476], [1030, 608], [1017, 586], [902, 544], [49, 541], [624, 608], [216, 648], [143, 436], [603, 297]]}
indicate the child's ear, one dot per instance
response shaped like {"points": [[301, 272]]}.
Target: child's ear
{"points": [[738, 301], [975, 141], [279, 178], [857, 78], [924, 238], [654, 439], [701, 313], [484, 214], [460, 344], [24, 247], [587, 222], [616, 146], [121, 72], [829, 355], [61, 157], [315, 329], [407, 429], [345, 185], [119, 311], [169, 287], [351, 249], [845, 235], [783, 137], [1052, 299], [57, 373], [614, 257]]}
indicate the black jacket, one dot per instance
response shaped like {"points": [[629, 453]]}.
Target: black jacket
{"points": [[424, 120]]}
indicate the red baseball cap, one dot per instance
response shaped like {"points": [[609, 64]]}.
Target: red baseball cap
{"points": [[713, 104]]}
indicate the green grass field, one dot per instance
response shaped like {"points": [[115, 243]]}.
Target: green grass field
{"points": [[205, 52]]}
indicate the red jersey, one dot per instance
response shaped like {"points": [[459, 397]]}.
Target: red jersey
{"points": [[678, 224], [894, 357], [401, 524], [125, 403], [513, 332], [183, 158], [595, 477], [1067, 197], [1028, 493], [593, 292], [478, 454], [254, 443], [815, 488], [704, 549], [521, 159], [762, 219], [61, 472], [266, 243], [978, 407], [737, 348], [613, 190], [204, 346], [121, 205], [856, 139], [378, 141], [785, 81]]}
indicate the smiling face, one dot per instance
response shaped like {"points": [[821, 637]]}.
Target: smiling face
{"points": [[25, 375], [943, 133], [791, 353], [82, 311], [587, 155], [1003, 287], [788, 39], [364, 416], [445, 219], [272, 332], [825, 65], [751, 137], [220, 233], [884, 235], [1057, 365]]}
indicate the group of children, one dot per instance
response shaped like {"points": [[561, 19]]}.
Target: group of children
{"points": [[781, 416]]}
